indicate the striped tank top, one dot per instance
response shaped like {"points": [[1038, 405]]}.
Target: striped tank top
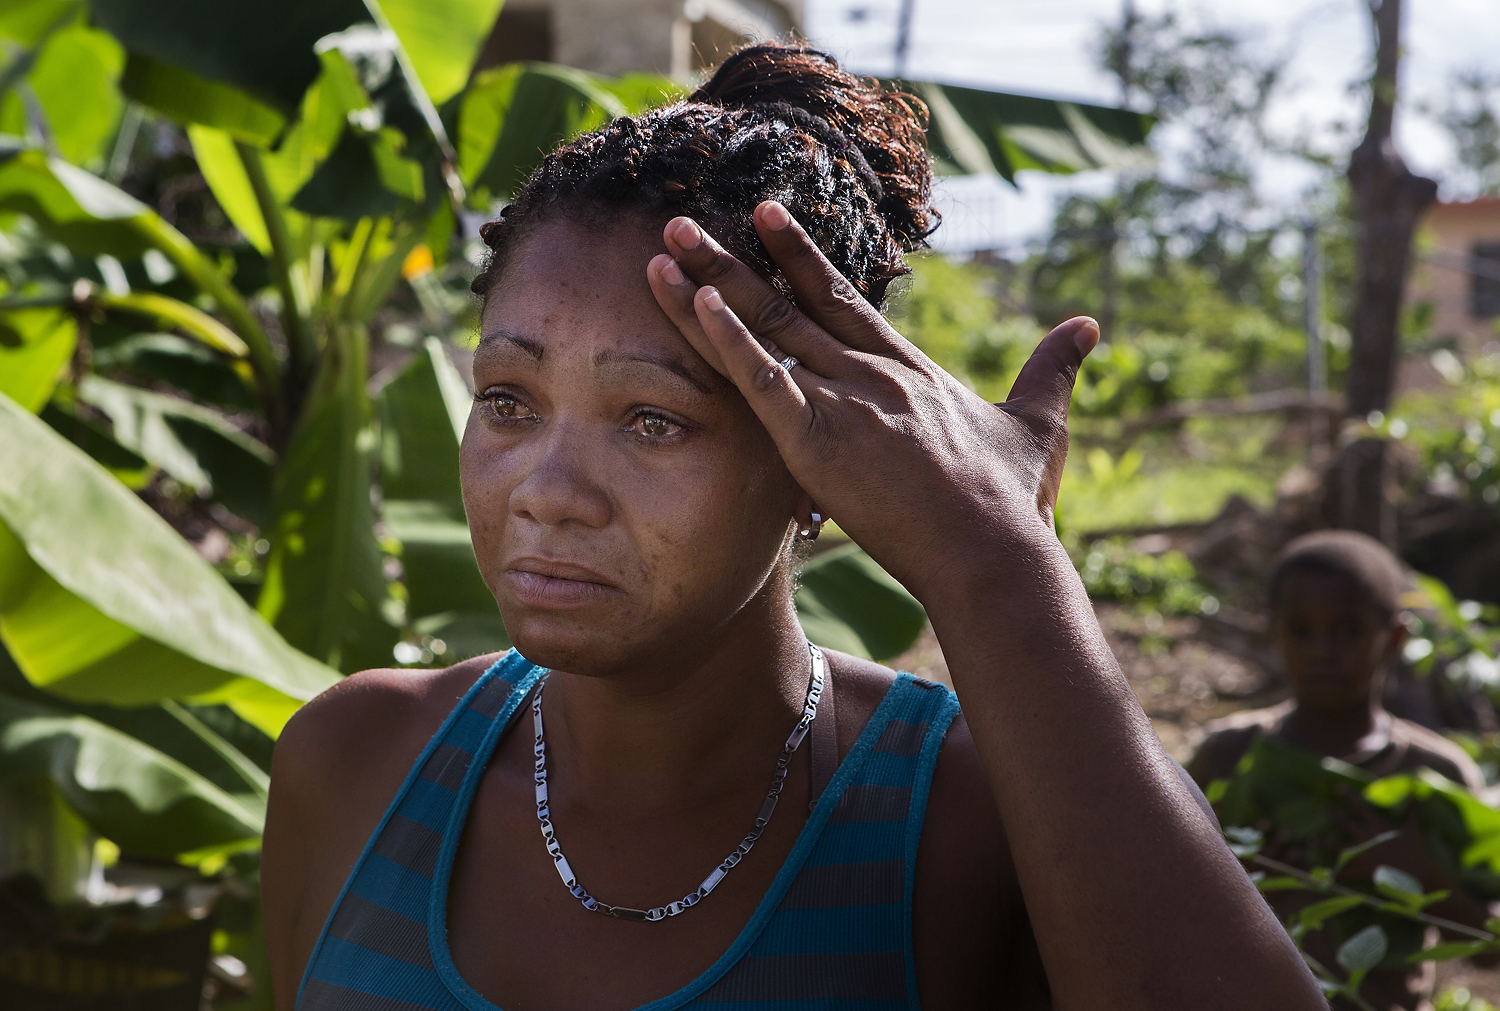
{"points": [[833, 933]]}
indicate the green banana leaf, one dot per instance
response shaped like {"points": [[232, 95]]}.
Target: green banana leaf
{"points": [[91, 218], [210, 740], [513, 115], [29, 21], [127, 791], [186, 365], [849, 603], [978, 132], [423, 412], [264, 47], [441, 39], [35, 344], [325, 588], [190, 98], [73, 78], [102, 601], [197, 446], [79, 210]]}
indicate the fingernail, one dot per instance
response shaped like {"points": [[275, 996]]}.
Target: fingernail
{"points": [[713, 300], [1086, 336], [672, 274], [687, 234], [774, 215]]}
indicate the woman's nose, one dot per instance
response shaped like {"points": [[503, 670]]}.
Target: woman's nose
{"points": [[560, 485]]}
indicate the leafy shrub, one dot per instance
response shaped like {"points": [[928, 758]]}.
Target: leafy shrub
{"points": [[1165, 583]]}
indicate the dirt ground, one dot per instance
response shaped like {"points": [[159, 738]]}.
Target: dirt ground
{"points": [[1187, 672], [1182, 678]]}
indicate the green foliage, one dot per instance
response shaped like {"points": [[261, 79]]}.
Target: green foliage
{"points": [[101, 601], [1303, 803], [975, 131], [1461, 454], [1460, 999], [849, 603], [1165, 583], [953, 313]]}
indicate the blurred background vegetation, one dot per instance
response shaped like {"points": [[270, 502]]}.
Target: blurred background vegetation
{"points": [[235, 247]]}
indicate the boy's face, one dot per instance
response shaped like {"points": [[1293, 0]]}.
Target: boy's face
{"points": [[1333, 640]]}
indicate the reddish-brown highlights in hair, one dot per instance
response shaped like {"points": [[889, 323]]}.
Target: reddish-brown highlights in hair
{"points": [[846, 155]]}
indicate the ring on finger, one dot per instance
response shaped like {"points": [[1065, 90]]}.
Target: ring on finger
{"points": [[789, 362]]}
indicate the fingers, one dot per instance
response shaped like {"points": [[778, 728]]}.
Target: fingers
{"points": [[1045, 385], [674, 293], [764, 310], [771, 390], [824, 293]]}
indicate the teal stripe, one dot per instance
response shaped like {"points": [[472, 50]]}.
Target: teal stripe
{"points": [[946, 704], [839, 930], [428, 803], [386, 883], [858, 843], [358, 968], [411, 777]]}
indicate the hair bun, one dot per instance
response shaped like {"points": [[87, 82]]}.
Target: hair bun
{"points": [[883, 129]]}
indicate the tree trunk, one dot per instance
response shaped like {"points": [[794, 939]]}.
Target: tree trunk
{"points": [[1388, 199]]}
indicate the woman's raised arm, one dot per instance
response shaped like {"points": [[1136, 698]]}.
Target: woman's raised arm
{"points": [[1135, 899]]}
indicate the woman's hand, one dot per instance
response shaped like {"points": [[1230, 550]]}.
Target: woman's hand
{"points": [[914, 466], [1134, 899]]}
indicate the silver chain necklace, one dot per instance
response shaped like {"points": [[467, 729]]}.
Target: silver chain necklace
{"points": [[778, 779]]}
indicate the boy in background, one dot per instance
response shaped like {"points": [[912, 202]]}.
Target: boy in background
{"points": [[1336, 621], [1336, 615]]}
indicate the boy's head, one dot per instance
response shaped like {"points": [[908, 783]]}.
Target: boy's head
{"points": [[1336, 616]]}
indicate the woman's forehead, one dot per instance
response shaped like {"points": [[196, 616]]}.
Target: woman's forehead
{"points": [[572, 290]]}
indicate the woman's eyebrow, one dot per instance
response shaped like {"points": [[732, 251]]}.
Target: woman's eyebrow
{"points": [[490, 338], [672, 364]]}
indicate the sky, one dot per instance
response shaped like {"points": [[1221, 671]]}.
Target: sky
{"points": [[1044, 47]]}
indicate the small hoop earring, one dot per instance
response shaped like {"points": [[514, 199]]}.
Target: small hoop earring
{"points": [[813, 529]]}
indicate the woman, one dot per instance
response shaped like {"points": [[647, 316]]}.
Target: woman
{"points": [[639, 470]]}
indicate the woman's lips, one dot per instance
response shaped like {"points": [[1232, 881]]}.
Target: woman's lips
{"points": [[556, 585]]}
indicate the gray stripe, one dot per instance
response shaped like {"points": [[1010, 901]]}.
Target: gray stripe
{"points": [[491, 698], [410, 844], [447, 766], [902, 738], [362, 922], [875, 883], [865, 975], [872, 803], [321, 996], [924, 684]]}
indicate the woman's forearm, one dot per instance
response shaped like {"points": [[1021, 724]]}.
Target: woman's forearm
{"points": [[1135, 899]]}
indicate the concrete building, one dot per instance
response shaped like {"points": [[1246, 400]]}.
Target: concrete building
{"points": [[1457, 271], [675, 37]]}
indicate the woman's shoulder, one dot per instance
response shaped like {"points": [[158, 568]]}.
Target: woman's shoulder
{"points": [[379, 714]]}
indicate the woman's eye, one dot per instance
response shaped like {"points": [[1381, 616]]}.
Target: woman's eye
{"points": [[508, 408], [654, 426]]}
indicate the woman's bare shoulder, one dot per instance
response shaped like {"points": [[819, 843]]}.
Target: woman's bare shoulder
{"points": [[369, 720]]}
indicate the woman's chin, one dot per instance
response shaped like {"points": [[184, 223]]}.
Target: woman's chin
{"points": [[566, 640]]}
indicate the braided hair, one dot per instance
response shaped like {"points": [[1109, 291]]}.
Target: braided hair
{"points": [[846, 156]]}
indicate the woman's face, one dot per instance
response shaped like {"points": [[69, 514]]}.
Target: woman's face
{"points": [[622, 497]]}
